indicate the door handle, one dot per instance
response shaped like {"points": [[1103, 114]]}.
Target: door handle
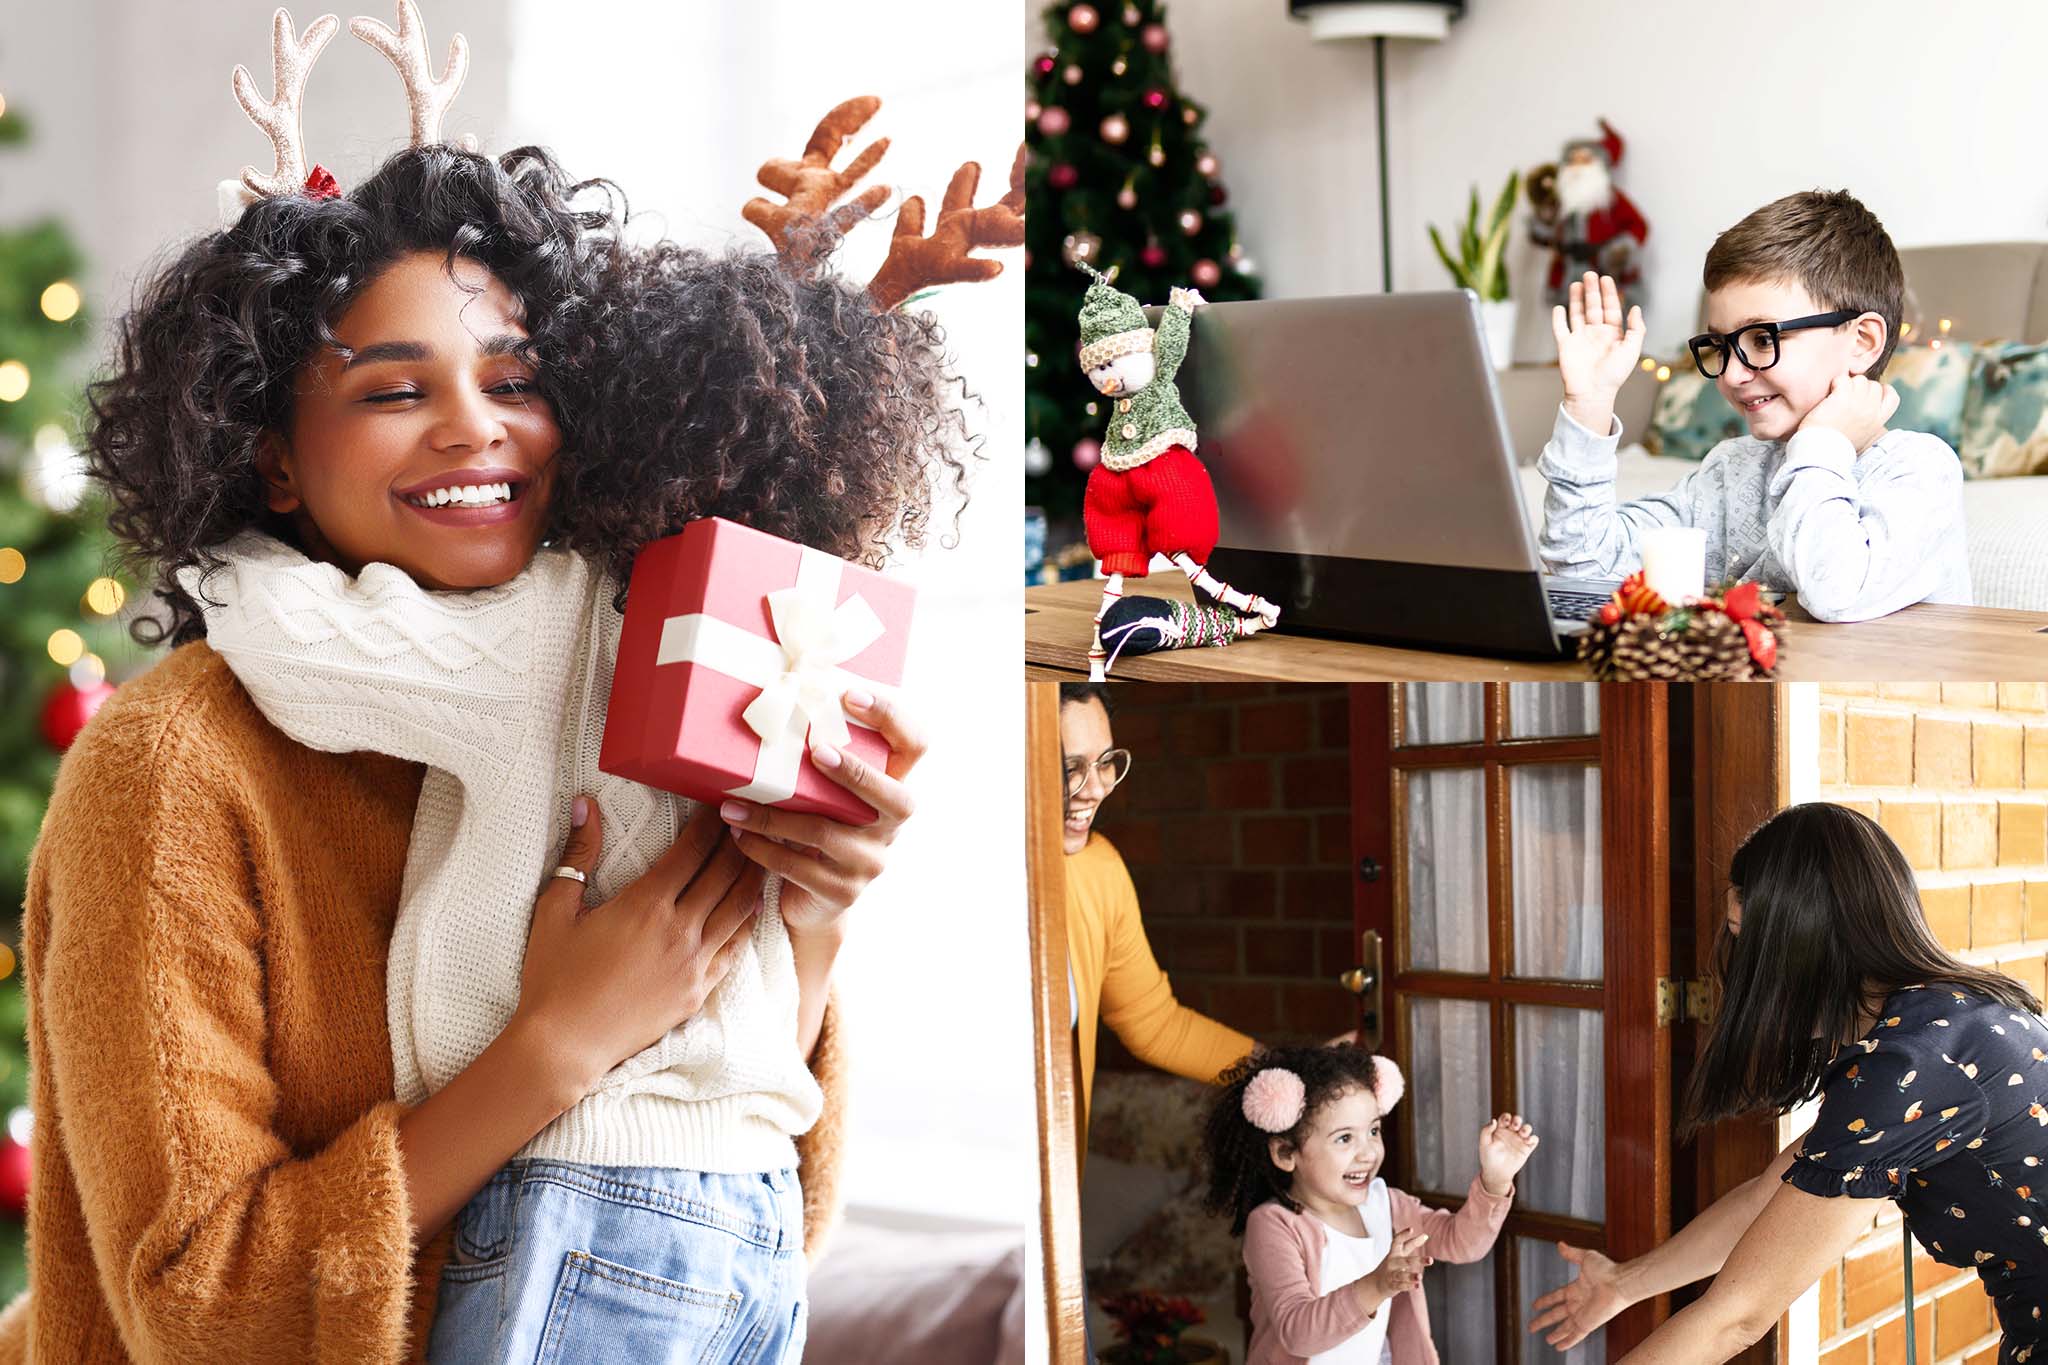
{"points": [[1365, 981]]}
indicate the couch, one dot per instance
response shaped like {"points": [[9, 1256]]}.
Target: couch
{"points": [[1991, 290]]}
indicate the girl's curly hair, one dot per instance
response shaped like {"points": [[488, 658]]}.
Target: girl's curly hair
{"points": [[686, 384], [1242, 1175]]}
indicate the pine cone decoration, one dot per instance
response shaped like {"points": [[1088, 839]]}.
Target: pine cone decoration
{"points": [[1689, 645]]}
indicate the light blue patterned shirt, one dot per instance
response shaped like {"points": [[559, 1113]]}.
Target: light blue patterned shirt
{"points": [[1855, 537]]}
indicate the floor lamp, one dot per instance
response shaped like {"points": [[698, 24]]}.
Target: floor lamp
{"points": [[1332, 21]]}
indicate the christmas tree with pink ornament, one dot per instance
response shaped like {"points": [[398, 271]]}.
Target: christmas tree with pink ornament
{"points": [[1121, 178]]}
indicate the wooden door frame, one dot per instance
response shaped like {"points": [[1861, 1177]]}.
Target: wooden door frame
{"points": [[1059, 1180]]}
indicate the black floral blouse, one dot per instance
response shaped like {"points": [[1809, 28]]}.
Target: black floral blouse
{"points": [[1943, 1106]]}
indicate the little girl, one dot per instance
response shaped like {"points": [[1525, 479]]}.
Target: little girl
{"points": [[342, 432], [1335, 1256]]}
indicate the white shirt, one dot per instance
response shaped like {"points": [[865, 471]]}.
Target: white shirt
{"points": [[1347, 1259]]}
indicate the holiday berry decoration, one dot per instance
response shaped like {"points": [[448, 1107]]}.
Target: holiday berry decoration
{"points": [[1217, 196], [1063, 176], [14, 1175], [1206, 273], [68, 708], [1152, 255], [1084, 18], [1054, 121], [1155, 98], [1150, 495], [1730, 636], [1154, 38], [1046, 62]]}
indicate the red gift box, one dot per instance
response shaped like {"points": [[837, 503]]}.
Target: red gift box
{"points": [[736, 650]]}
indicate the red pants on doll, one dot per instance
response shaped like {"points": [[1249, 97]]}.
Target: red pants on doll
{"points": [[1165, 506]]}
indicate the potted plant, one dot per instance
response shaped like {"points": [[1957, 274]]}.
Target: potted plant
{"points": [[1148, 1329], [1481, 265]]}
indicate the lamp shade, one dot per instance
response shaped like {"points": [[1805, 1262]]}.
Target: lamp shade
{"points": [[1333, 20]]}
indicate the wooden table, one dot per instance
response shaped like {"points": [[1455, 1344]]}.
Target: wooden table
{"points": [[1919, 644]]}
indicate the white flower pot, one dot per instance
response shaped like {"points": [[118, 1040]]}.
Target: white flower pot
{"points": [[1498, 322]]}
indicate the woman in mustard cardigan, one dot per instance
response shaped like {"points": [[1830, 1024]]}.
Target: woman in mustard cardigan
{"points": [[1114, 976]]}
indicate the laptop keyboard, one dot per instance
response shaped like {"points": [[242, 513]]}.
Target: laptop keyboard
{"points": [[1575, 606]]}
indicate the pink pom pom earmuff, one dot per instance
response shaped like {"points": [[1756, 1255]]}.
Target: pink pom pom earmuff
{"points": [[1388, 1086], [1273, 1100]]}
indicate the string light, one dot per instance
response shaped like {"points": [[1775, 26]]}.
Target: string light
{"points": [[13, 381], [1649, 365], [1031, 360], [60, 301], [13, 564], [66, 647], [1945, 325], [89, 671], [1663, 373], [105, 596], [6, 962]]}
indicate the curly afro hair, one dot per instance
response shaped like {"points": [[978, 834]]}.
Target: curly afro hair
{"points": [[1242, 1175], [685, 383]]}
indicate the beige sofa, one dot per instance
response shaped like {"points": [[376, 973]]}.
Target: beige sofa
{"points": [[1990, 290]]}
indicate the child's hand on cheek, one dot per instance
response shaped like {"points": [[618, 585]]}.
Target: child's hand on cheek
{"points": [[1504, 1148], [1857, 407], [825, 864]]}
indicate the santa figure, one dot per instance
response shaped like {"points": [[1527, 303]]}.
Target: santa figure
{"points": [[1586, 222]]}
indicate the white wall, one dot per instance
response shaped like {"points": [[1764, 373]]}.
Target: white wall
{"points": [[1930, 114]]}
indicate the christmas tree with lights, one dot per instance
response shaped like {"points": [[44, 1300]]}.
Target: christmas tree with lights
{"points": [[60, 612], [1119, 177]]}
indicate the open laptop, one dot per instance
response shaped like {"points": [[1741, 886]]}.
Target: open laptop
{"points": [[1365, 475]]}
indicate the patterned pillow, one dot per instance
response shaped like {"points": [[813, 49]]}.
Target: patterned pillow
{"points": [[1933, 388], [1691, 416], [2005, 420]]}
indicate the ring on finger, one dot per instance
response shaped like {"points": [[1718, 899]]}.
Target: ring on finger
{"points": [[572, 873]]}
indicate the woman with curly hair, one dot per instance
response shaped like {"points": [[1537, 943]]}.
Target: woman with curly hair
{"points": [[379, 450]]}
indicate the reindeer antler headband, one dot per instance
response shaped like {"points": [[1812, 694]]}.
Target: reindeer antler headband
{"points": [[281, 117]]}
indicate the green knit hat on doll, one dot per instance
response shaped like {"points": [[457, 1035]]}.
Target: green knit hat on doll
{"points": [[1112, 322]]}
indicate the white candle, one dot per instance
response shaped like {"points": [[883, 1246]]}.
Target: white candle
{"points": [[1675, 562]]}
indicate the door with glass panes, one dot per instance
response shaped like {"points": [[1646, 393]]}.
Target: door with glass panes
{"points": [[1510, 900]]}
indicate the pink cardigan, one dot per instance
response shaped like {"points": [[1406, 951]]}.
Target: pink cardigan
{"points": [[1292, 1318]]}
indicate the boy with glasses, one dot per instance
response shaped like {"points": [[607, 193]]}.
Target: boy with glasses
{"points": [[1820, 498]]}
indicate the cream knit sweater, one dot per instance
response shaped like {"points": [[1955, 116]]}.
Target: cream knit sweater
{"points": [[501, 693]]}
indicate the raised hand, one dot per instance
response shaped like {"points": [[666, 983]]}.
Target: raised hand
{"points": [[1598, 346], [1857, 407], [1572, 1313], [1505, 1145], [1400, 1272]]}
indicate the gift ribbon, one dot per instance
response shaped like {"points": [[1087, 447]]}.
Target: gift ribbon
{"points": [[798, 671]]}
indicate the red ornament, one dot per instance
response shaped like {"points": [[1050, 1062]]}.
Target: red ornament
{"points": [[1154, 38], [1155, 98], [1062, 177], [1763, 646], [1206, 274], [68, 708], [1217, 194], [14, 1169], [1153, 255], [1084, 18], [321, 184], [1045, 64], [1054, 121], [1087, 453]]}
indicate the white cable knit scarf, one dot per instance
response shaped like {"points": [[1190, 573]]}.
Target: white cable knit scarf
{"points": [[501, 693]]}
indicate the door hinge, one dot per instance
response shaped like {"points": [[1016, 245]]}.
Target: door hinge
{"points": [[1680, 1001]]}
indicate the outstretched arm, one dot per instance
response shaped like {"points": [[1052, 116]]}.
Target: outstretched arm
{"points": [[1170, 345], [1139, 1006]]}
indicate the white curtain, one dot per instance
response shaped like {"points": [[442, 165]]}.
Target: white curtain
{"points": [[1446, 853], [1552, 710], [1556, 861], [1543, 1270], [1443, 713]]}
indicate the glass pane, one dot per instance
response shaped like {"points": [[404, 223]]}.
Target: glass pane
{"points": [[1450, 1069], [1560, 1085], [1446, 853], [1443, 713], [1554, 834], [1551, 710], [1542, 1271], [1460, 1299]]}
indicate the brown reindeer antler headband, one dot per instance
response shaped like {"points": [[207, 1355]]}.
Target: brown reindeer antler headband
{"points": [[281, 117], [807, 225]]}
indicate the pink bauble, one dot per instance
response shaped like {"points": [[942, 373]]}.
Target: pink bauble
{"points": [[1155, 98], [1032, 109], [1152, 255], [1190, 222], [1189, 114], [1154, 38], [1207, 164], [1206, 274], [1131, 16], [1072, 75], [1083, 18], [1127, 198], [1063, 176], [1053, 121], [1045, 64], [1115, 129], [1087, 453]]}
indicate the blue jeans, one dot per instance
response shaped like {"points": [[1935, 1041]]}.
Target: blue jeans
{"points": [[560, 1262]]}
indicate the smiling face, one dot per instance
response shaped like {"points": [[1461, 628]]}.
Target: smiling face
{"points": [[1084, 738], [1775, 401], [426, 447], [1335, 1163], [1125, 374]]}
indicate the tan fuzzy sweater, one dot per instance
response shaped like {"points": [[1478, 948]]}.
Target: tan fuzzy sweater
{"points": [[216, 1164]]}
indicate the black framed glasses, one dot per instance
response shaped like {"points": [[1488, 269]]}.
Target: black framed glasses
{"points": [[1757, 346], [1112, 766]]}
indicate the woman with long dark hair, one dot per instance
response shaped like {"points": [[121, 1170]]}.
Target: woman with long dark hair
{"points": [[1932, 1077]]}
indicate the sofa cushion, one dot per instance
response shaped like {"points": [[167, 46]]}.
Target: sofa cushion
{"points": [[2005, 422], [1691, 416], [1934, 387]]}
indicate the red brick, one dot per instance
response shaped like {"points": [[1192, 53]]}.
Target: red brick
{"points": [[1172, 891], [1854, 1351], [1245, 895], [1333, 722], [1138, 729], [1273, 951], [1276, 841], [1871, 1284], [1185, 947], [1140, 841], [1163, 784], [1961, 1316], [1248, 1006], [1206, 840], [1336, 952], [1830, 1301], [1318, 1014], [1308, 893], [1986, 1354], [1286, 726], [1888, 1343], [1201, 733], [1321, 781], [1240, 784]]}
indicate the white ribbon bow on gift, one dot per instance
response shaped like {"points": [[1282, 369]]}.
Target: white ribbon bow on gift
{"points": [[798, 671]]}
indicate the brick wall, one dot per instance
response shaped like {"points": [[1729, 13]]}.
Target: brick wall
{"points": [[1958, 773], [1235, 822]]}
